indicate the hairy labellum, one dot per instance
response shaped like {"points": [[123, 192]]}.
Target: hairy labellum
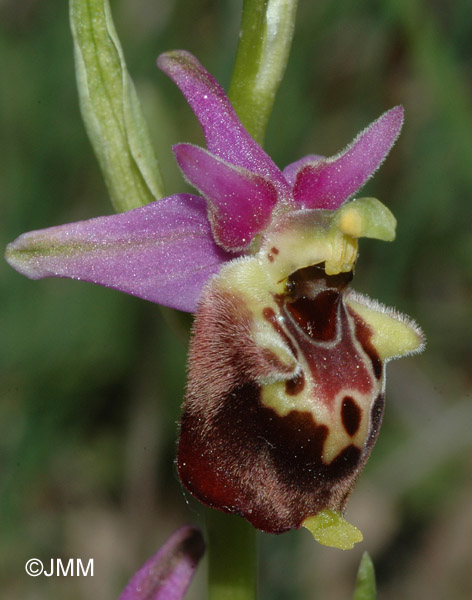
{"points": [[286, 372]]}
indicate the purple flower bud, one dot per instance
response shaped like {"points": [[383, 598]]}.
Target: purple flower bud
{"points": [[167, 574]]}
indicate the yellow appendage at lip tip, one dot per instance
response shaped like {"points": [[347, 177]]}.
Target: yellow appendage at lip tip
{"points": [[330, 528]]}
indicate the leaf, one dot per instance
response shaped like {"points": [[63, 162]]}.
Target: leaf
{"points": [[110, 108], [366, 588]]}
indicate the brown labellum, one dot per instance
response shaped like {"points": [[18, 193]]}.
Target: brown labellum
{"points": [[242, 449]]}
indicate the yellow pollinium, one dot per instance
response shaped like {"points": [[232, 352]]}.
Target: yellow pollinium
{"points": [[343, 254], [350, 222], [330, 528]]}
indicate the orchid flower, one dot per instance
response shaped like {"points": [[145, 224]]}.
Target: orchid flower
{"points": [[287, 364], [167, 574]]}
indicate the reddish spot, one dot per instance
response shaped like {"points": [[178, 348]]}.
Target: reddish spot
{"points": [[351, 415], [270, 254], [269, 314], [294, 386], [317, 316]]}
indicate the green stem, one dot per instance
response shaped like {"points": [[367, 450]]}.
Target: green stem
{"points": [[232, 557], [264, 44]]}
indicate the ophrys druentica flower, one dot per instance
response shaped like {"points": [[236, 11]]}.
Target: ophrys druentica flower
{"points": [[286, 369]]}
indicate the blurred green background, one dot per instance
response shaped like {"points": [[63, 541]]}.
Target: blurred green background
{"points": [[91, 380]]}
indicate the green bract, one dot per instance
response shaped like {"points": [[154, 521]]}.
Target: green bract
{"points": [[111, 109]]}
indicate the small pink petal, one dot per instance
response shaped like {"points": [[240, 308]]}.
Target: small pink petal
{"points": [[163, 252], [240, 202], [291, 170], [225, 135], [167, 574], [329, 183]]}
